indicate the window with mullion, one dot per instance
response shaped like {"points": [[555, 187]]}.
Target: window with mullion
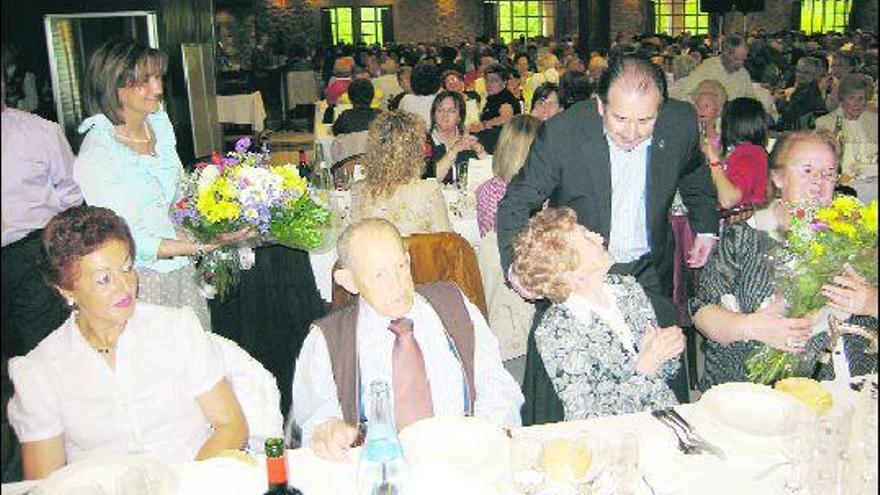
{"points": [[822, 16], [673, 17]]}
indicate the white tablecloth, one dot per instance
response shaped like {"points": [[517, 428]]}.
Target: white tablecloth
{"points": [[670, 472], [463, 218], [242, 109]]}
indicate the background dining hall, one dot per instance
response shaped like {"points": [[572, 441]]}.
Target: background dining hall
{"points": [[439, 246]]}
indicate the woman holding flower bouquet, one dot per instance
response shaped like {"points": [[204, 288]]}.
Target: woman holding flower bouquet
{"points": [[736, 308], [128, 162]]}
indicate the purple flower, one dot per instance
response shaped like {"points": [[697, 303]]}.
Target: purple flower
{"points": [[818, 225], [243, 144]]}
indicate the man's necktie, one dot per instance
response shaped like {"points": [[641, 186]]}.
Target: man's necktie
{"points": [[412, 391]]}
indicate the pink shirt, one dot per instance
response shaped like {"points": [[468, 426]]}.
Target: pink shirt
{"points": [[489, 194], [747, 169]]}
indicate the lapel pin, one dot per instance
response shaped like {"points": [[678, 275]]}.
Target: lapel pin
{"points": [[661, 143]]}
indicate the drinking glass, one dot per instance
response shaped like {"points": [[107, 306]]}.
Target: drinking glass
{"points": [[625, 464], [829, 454], [524, 463], [797, 446]]}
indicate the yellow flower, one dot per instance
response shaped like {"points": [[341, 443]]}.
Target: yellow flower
{"points": [[827, 215], [816, 249], [214, 202], [843, 227], [291, 179], [868, 217], [846, 205]]}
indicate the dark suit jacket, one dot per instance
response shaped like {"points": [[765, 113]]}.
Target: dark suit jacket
{"points": [[569, 164]]}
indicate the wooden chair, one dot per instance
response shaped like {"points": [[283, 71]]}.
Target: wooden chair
{"points": [[434, 257]]}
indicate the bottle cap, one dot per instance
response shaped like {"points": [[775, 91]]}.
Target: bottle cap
{"points": [[274, 447]]}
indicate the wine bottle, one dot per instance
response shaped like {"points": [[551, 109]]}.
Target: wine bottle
{"points": [[276, 468]]}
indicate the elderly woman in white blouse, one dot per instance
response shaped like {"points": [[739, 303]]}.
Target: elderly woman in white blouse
{"points": [[119, 376], [598, 341]]}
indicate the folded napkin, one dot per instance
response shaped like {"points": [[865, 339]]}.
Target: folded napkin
{"points": [[111, 475]]}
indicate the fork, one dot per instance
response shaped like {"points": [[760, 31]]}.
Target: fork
{"points": [[685, 446]]}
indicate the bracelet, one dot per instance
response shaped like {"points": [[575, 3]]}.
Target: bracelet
{"points": [[199, 250], [715, 164]]}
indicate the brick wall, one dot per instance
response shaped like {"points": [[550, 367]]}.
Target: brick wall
{"points": [[422, 20], [777, 14]]}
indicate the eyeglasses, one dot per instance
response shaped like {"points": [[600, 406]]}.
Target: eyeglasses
{"points": [[818, 173]]}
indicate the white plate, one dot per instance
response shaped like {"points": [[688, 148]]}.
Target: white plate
{"points": [[746, 414], [470, 445]]}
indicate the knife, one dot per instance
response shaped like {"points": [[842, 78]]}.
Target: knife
{"points": [[713, 449]]}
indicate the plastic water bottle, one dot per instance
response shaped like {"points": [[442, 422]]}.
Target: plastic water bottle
{"points": [[381, 469]]}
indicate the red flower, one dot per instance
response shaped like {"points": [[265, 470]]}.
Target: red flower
{"points": [[800, 213], [201, 165], [181, 204], [216, 159]]}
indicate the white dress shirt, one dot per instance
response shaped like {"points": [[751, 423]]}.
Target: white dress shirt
{"points": [[164, 360], [498, 397], [628, 240]]}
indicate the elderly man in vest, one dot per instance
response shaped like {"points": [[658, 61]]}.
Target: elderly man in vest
{"points": [[429, 343]]}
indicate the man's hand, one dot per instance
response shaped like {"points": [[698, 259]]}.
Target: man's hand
{"points": [[703, 245], [332, 440]]}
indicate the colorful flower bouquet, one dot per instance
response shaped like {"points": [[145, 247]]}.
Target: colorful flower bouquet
{"points": [[819, 243], [243, 191]]}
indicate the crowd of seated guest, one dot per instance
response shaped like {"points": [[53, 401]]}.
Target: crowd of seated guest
{"points": [[597, 340]]}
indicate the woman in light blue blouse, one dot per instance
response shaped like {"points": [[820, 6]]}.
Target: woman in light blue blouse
{"points": [[598, 341], [128, 162]]}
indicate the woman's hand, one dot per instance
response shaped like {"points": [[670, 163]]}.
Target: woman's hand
{"points": [[469, 142], [710, 145], [233, 237], [658, 346], [770, 327], [851, 293]]}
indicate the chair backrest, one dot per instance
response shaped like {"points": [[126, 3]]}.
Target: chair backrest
{"points": [[303, 87], [439, 256], [349, 144], [737, 213], [256, 390]]}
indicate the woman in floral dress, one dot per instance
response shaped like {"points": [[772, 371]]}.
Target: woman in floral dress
{"points": [[598, 341]]}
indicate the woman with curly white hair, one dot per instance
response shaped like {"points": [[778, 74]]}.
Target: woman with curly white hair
{"points": [[599, 341]]}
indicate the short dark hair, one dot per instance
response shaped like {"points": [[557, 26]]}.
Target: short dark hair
{"points": [[447, 73], [628, 66], [574, 86], [499, 69], [118, 63], [425, 78], [732, 42], [457, 98], [542, 92], [74, 233], [360, 92], [743, 120]]}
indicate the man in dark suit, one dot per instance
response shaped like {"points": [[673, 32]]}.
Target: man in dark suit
{"points": [[617, 160]]}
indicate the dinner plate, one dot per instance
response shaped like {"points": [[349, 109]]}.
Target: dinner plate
{"points": [[467, 444], [749, 412]]}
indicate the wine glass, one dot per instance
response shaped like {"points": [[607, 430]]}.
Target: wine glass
{"points": [[797, 446], [625, 464]]}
